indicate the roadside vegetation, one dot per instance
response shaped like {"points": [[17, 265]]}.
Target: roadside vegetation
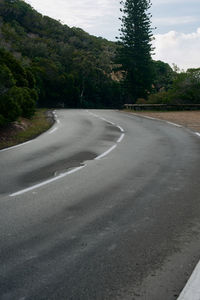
{"points": [[184, 89], [46, 64], [25, 129]]}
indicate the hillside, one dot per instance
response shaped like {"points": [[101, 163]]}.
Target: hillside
{"points": [[71, 68]]}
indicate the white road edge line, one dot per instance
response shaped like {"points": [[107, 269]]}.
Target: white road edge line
{"points": [[151, 118], [13, 147], [174, 124], [106, 152], [53, 130], [110, 122], [121, 129], [28, 142], [121, 138], [118, 141], [192, 289], [69, 172], [46, 182], [146, 117]]}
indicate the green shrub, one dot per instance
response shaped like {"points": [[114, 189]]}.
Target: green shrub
{"points": [[25, 99], [185, 89], [160, 98], [9, 108]]}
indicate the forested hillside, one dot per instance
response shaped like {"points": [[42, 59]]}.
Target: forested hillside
{"points": [[46, 64], [69, 67]]}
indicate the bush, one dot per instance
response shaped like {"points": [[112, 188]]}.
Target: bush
{"points": [[9, 108], [17, 94], [185, 89], [160, 98], [25, 99], [141, 101]]}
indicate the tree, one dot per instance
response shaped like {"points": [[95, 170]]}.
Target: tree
{"points": [[6, 79], [164, 76], [185, 89], [135, 47], [18, 96]]}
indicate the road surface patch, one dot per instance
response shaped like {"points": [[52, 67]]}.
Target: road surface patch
{"points": [[106, 152], [53, 130], [36, 186], [121, 138], [48, 181], [17, 146], [174, 124]]}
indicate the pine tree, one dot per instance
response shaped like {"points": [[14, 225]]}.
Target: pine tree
{"points": [[135, 47]]}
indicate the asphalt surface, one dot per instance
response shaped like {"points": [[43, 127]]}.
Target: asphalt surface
{"points": [[124, 226]]}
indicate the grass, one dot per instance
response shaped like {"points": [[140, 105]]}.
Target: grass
{"points": [[26, 129]]}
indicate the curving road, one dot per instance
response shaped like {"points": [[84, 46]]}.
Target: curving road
{"points": [[105, 205]]}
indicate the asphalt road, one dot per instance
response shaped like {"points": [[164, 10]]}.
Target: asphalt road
{"points": [[123, 226]]}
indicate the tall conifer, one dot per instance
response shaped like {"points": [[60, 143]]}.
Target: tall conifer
{"points": [[136, 47]]}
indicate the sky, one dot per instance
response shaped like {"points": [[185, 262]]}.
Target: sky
{"points": [[177, 22]]}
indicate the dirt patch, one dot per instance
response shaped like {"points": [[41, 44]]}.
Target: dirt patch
{"points": [[188, 119], [25, 129], [7, 133]]}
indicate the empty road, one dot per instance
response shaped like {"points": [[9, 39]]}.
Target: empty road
{"points": [[105, 205]]}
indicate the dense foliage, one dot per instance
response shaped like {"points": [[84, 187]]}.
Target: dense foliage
{"points": [[135, 51], [17, 94], [47, 64], [185, 89], [71, 67]]}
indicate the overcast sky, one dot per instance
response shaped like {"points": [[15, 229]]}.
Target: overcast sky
{"points": [[177, 21]]}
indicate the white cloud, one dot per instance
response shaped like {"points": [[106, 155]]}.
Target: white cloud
{"points": [[79, 13], [169, 21], [100, 17], [160, 2], [179, 48]]}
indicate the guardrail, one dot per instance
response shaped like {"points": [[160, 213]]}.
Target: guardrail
{"points": [[162, 106]]}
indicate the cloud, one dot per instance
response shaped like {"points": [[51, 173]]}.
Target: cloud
{"points": [[79, 13], [179, 48], [160, 2], [169, 21], [100, 18]]}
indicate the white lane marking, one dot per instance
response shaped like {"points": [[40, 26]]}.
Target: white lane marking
{"points": [[94, 115], [197, 133], [53, 130], [150, 118], [192, 289], [13, 147], [121, 138], [103, 119], [174, 124], [25, 143], [106, 152], [110, 122], [46, 182], [146, 117], [118, 141], [121, 129]]}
